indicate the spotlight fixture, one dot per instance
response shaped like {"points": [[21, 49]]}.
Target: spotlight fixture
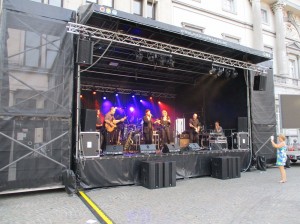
{"points": [[151, 57], [139, 56], [170, 61], [223, 71], [94, 92]]}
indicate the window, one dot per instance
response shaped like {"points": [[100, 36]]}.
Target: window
{"points": [[32, 49], [137, 7], [292, 68], [229, 6], [264, 16], [53, 45], [41, 1], [231, 38], [151, 10], [57, 3], [192, 27], [91, 1]]}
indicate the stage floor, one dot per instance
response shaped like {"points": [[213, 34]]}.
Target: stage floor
{"points": [[108, 171]]}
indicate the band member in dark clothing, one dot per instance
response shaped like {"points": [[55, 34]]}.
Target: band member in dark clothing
{"points": [[194, 125], [165, 123], [148, 127]]}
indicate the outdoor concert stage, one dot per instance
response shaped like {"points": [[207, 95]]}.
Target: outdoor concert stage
{"points": [[108, 171]]}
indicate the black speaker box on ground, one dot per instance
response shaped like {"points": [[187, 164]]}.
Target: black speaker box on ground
{"points": [[152, 174], [88, 120], [85, 52], [260, 83], [157, 174], [226, 167], [171, 148], [194, 147], [90, 144], [242, 124], [147, 148], [169, 174], [114, 150]]}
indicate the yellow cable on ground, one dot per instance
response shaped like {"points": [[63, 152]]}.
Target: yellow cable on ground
{"points": [[95, 207]]}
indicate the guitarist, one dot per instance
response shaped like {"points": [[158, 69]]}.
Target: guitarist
{"points": [[194, 125], [110, 125]]}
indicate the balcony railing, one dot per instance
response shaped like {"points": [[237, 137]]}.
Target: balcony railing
{"points": [[286, 81]]}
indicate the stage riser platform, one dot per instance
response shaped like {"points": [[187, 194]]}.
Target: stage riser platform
{"points": [[109, 171]]}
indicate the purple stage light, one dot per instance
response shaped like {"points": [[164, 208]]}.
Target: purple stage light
{"points": [[141, 101], [131, 109], [117, 94], [132, 96], [104, 97]]}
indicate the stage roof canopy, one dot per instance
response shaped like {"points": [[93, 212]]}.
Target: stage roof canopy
{"points": [[132, 64]]}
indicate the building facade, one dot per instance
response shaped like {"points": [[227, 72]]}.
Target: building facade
{"points": [[272, 26]]}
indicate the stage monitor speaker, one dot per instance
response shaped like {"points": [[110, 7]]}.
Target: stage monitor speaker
{"points": [[242, 124], [85, 52], [260, 83], [90, 144], [218, 146], [88, 120], [171, 148], [114, 150], [147, 148], [194, 147]]}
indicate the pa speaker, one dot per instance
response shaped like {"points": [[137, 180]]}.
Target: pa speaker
{"points": [[147, 148], [88, 120], [114, 150], [194, 147], [242, 124], [171, 148], [260, 83], [85, 52]]}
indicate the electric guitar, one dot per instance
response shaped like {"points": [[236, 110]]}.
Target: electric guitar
{"points": [[113, 124], [197, 129]]}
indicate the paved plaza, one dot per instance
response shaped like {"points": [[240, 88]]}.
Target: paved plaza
{"points": [[256, 197]]}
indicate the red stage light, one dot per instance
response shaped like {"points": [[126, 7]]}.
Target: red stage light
{"points": [[151, 98], [81, 96], [159, 102], [94, 92]]}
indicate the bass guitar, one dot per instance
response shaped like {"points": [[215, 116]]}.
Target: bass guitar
{"points": [[110, 127]]}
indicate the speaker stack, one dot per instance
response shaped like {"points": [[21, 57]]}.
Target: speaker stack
{"points": [[260, 83], [84, 52]]}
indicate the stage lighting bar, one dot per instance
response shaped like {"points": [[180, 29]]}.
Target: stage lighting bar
{"points": [[220, 70], [107, 89], [107, 35]]}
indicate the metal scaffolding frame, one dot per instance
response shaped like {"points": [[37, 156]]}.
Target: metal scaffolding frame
{"points": [[97, 33], [107, 89]]}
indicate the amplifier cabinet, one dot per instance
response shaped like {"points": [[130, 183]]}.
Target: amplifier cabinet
{"points": [[240, 140]]}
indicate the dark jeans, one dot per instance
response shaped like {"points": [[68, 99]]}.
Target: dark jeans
{"points": [[166, 137], [194, 137]]}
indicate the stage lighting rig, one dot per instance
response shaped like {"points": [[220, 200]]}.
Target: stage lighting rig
{"points": [[221, 70]]}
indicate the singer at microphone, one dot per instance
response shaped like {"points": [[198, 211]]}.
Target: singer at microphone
{"points": [[148, 127]]}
